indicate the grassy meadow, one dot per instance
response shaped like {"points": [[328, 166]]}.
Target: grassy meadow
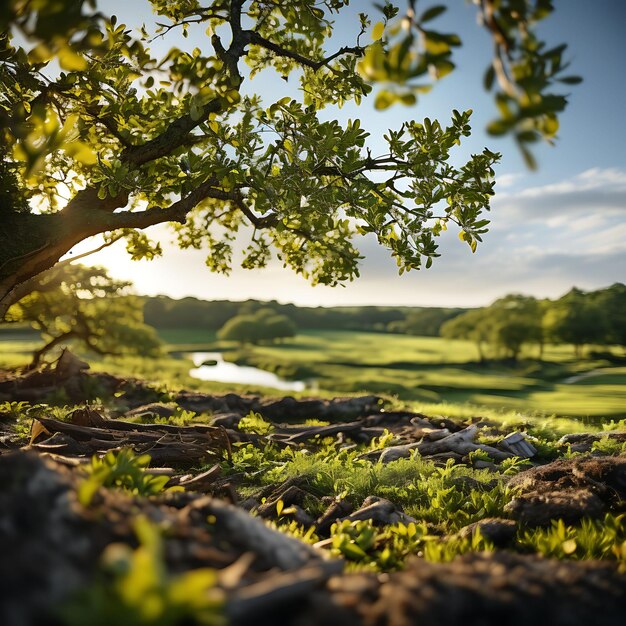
{"points": [[420, 371], [434, 370]]}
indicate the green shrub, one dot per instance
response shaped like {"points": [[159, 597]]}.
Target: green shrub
{"points": [[134, 588], [120, 470]]}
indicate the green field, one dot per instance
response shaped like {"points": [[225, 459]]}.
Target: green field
{"points": [[417, 370], [427, 369]]}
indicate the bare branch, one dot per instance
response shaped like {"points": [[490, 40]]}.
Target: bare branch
{"points": [[255, 38], [106, 244]]}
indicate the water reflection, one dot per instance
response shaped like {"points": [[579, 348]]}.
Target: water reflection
{"points": [[211, 366]]}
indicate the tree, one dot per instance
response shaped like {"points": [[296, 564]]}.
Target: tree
{"points": [[611, 303], [242, 328], [117, 141], [577, 319], [506, 325], [515, 320], [470, 326], [73, 303], [279, 327], [262, 325]]}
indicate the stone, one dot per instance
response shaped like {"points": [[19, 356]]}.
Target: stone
{"points": [[539, 508], [498, 531]]}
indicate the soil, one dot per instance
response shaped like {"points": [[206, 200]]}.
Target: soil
{"points": [[51, 543]]}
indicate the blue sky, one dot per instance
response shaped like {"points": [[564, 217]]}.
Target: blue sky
{"points": [[560, 226]]}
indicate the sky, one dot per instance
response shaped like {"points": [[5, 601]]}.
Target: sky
{"points": [[563, 225]]}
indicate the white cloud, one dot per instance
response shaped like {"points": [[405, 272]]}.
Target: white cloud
{"points": [[504, 181]]}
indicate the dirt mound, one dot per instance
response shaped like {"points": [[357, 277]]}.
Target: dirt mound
{"points": [[569, 489], [477, 590], [51, 544], [605, 475]]}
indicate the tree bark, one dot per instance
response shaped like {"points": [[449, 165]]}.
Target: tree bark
{"points": [[31, 244]]}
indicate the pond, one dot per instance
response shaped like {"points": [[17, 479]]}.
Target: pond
{"points": [[211, 366]]}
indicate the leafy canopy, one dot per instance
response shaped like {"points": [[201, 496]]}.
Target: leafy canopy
{"points": [[120, 140]]}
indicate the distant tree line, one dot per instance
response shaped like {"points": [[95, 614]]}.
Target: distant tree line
{"points": [[578, 318], [164, 312], [502, 329]]}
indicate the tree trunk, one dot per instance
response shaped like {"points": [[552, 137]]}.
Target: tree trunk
{"points": [[31, 244]]}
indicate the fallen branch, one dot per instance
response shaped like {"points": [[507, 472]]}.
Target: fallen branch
{"points": [[250, 533]]}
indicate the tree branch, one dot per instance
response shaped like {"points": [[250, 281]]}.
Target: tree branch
{"points": [[69, 260], [255, 38], [176, 212], [51, 344], [266, 221], [174, 136]]}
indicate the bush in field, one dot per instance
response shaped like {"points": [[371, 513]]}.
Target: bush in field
{"points": [[263, 326], [471, 326]]}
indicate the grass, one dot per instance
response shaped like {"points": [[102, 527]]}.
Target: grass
{"points": [[432, 370], [186, 339], [420, 371], [431, 376]]}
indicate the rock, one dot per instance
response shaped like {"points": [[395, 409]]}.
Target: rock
{"points": [[604, 476], [541, 508], [497, 530]]}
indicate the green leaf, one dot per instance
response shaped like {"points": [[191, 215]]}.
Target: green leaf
{"points": [[571, 80], [384, 99], [498, 127], [432, 13], [551, 125], [353, 551], [490, 75], [569, 546], [377, 31], [71, 61]]}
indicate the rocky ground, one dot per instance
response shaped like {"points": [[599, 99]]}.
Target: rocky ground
{"points": [[76, 538]]}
